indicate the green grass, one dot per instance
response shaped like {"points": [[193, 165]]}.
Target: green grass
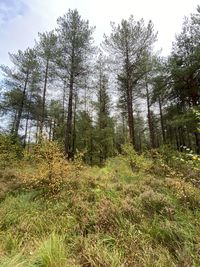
{"points": [[107, 217]]}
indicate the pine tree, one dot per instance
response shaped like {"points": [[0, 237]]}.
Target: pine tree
{"points": [[105, 132], [127, 43], [25, 65], [75, 40], [47, 52]]}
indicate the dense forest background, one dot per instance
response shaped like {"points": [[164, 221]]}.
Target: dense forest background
{"points": [[95, 99]]}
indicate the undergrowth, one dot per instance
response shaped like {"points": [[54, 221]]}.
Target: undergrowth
{"points": [[128, 213]]}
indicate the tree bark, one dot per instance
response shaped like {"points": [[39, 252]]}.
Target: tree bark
{"points": [[74, 129], [177, 139], [131, 118], [26, 128], [129, 98], [68, 133], [63, 102], [50, 129], [37, 134], [150, 123], [44, 97], [161, 120], [54, 130], [14, 123], [197, 137], [19, 115], [29, 139]]}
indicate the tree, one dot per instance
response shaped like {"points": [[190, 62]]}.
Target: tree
{"points": [[184, 66], [105, 138], [47, 51], [85, 136], [127, 43], [75, 39], [185, 62], [25, 65]]}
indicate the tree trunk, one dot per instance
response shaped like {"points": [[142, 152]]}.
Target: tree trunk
{"points": [[19, 115], [139, 142], [29, 139], [151, 130], [181, 137], [130, 117], [14, 123], [177, 139], [37, 129], [54, 130], [63, 103], [91, 150], [44, 98], [74, 129], [129, 98], [50, 129], [26, 128], [68, 133], [85, 100], [197, 137], [189, 143], [161, 120], [170, 135]]}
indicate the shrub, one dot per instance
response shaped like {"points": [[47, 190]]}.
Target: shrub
{"points": [[49, 168], [10, 150], [135, 161], [152, 201], [187, 194], [108, 216]]}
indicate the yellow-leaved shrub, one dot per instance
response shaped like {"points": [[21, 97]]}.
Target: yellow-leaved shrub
{"points": [[45, 168]]}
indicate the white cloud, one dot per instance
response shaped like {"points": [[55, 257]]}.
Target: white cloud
{"points": [[20, 30]]}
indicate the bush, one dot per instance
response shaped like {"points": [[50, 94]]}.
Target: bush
{"points": [[153, 202], [136, 162], [49, 168], [10, 150], [186, 193]]}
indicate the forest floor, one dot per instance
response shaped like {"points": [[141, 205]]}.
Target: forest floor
{"points": [[108, 217]]}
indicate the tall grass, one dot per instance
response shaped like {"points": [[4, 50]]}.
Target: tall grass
{"points": [[109, 217]]}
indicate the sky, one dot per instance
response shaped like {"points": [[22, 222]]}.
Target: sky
{"points": [[21, 20]]}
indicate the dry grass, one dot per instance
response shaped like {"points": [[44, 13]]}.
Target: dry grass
{"points": [[105, 217]]}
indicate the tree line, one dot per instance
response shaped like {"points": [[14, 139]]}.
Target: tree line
{"points": [[93, 100]]}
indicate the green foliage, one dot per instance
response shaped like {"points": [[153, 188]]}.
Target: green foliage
{"points": [[196, 113], [16, 261], [85, 136], [139, 209], [135, 160], [10, 150], [48, 170], [102, 218], [152, 201], [51, 252], [101, 253]]}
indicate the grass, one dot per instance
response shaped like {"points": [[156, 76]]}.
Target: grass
{"points": [[104, 217], [51, 252]]}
